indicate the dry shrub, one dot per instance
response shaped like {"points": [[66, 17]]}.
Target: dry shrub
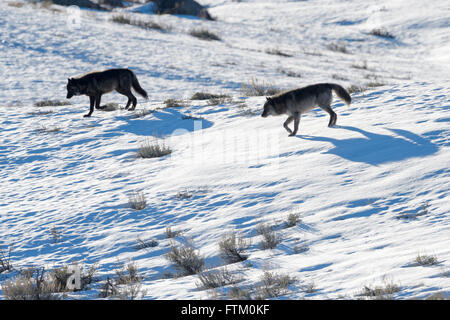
{"points": [[5, 261], [356, 89], [276, 51], [145, 244], [270, 239], [232, 248], [338, 47], [204, 34], [293, 219], [426, 260], [271, 285], [380, 292], [259, 88], [52, 103], [31, 284], [186, 259], [382, 32], [127, 285], [175, 103], [127, 274], [137, 200], [216, 278], [208, 96], [111, 106], [147, 25], [153, 149]]}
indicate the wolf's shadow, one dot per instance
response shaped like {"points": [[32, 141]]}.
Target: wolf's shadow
{"points": [[376, 149], [167, 122]]}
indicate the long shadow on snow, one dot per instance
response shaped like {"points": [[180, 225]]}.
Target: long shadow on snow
{"points": [[376, 149], [167, 122]]}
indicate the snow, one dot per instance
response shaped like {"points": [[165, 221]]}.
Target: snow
{"points": [[388, 155]]}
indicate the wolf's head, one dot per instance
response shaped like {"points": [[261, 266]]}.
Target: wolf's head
{"points": [[73, 88], [269, 108]]}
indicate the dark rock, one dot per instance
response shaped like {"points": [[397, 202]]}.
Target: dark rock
{"points": [[112, 3], [80, 3], [186, 7]]}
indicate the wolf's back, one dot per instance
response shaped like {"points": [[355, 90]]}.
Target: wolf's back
{"points": [[341, 93]]}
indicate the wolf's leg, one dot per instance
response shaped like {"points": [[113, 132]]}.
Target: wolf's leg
{"points": [[97, 101], [91, 108], [128, 103], [121, 91], [134, 102], [333, 115], [296, 123], [335, 119], [130, 96], [285, 124]]}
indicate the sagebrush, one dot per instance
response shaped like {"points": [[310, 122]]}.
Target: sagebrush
{"points": [[186, 259]]}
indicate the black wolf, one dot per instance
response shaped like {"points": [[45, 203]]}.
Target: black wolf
{"points": [[298, 101], [95, 84]]}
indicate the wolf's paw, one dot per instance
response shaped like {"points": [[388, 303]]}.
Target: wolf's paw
{"points": [[86, 115]]}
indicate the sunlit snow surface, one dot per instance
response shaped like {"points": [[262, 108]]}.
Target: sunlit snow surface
{"points": [[387, 157]]}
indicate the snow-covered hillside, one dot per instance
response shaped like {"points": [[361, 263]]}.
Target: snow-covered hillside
{"points": [[372, 193]]}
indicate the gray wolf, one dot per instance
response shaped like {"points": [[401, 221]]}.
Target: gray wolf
{"points": [[298, 101], [95, 84]]}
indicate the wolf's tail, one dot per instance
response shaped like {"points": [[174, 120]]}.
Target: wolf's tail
{"points": [[137, 87], [341, 93]]}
